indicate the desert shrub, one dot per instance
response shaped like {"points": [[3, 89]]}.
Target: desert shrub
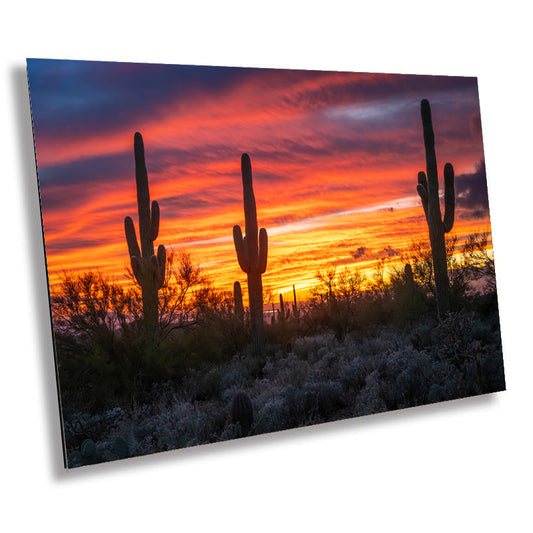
{"points": [[411, 384], [335, 303], [234, 378], [328, 399], [370, 399], [292, 371], [308, 347], [409, 301], [354, 375], [321, 378], [491, 369], [283, 333], [421, 334], [271, 415]]}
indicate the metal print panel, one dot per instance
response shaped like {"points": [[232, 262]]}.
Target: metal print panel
{"points": [[236, 251]]}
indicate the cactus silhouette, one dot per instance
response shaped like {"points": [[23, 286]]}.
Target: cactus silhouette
{"points": [[296, 314], [282, 315], [428, 190], [252, 255], [237, 297], [242, 412], [120, 448], [148, 269], [89, 455], [408, 275]]}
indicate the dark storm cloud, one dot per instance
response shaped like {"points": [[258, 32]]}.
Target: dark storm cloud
{"points": [[471, 192], [71, 98], [188, 160], [91, 170], [78, 97], [355, 88]]}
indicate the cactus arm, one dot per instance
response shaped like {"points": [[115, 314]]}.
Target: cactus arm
{"points": [[131, 238], [249, 259], [137, 270], [154, 226], [449, 197], [263, 250], [242, 257], [422, 189]]}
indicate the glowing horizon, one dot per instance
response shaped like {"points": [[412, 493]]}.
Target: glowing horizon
{"points": [[335, 158]]}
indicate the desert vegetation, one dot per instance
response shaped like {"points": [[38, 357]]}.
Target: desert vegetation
{"points": [[358, 346], [163, 359]]}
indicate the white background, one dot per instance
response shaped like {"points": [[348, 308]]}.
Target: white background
{"points": [[461, 466]]}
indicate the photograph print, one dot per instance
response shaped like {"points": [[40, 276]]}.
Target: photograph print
{"points": [[239, 251]]}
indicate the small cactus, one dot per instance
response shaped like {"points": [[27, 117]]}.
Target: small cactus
{"points": [[88, 453], [428, 190], [252, 251], [295, 313], [281, 308], [242, 412], [237, 297], [120, 448], [148, 269], [408, 275]]}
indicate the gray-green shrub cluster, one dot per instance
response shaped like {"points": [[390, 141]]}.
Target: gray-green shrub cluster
{"points": [[320, 379]]}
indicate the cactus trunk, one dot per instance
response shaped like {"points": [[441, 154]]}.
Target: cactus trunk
{"points": [[428, 190], [252, 250], [148, 269]]}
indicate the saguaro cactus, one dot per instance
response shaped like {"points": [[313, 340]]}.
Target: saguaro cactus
{"points": [[242, 412], [295, 307], [282, 315], [237, 297], [148, 269], [252, 254], [428, 189]]}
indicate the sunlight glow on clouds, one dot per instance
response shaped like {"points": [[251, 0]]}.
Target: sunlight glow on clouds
{"points": [[335, 158]]}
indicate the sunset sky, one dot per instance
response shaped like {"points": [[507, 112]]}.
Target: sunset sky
{"points": [[335, 158]]}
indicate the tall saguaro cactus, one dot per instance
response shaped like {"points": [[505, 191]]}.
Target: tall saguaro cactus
{"points": [[149, 270], [252, 254], [428, 189]]}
